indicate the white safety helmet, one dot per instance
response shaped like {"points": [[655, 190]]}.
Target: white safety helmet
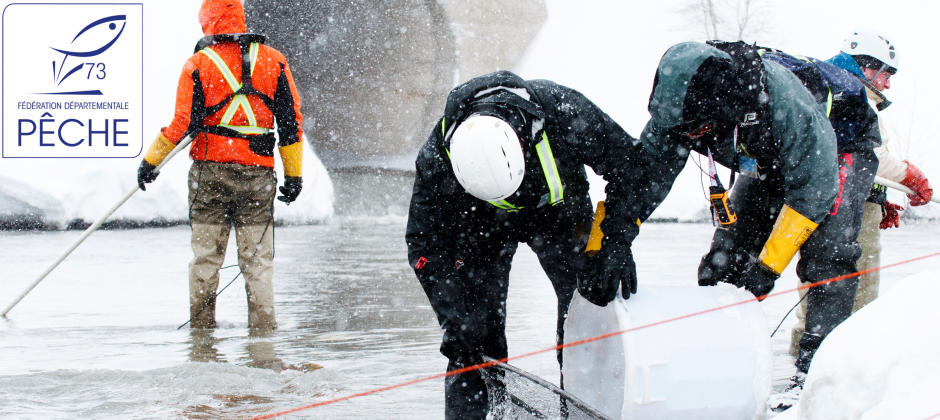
{"points": [[872, 44], [486, 155]]}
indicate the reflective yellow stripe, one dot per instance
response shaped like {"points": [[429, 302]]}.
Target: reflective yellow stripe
{"points": [[254, 56], [550, 169], [252, 121], [226, 73], [238, 101], [552, 178], [443, 132], [232, 107], [247, 129], [828, 101], [505, 205]]}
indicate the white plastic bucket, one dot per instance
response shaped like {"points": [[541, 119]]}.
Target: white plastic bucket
{"points": [[716, 365]]}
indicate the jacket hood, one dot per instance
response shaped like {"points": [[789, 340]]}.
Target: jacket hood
{"points": [[222, 17], [688, 81], [501, 94], [846, 62]]}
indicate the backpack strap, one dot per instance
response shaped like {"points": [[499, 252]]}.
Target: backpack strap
{"points": [[250, 46]]}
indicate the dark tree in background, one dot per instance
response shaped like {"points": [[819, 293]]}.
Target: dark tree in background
{"points": [[729, 20]]}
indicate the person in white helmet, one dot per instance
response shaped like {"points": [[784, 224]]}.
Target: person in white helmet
{"points": [[873, 59], [504, 165]]}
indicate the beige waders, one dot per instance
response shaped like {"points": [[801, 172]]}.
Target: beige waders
{"points": [[224, 195]]}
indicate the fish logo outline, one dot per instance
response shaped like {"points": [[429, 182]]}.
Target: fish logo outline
{"points": [[111, 20]]}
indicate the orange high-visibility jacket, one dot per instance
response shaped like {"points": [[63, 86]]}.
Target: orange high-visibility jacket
{"points": [[230, 127]]}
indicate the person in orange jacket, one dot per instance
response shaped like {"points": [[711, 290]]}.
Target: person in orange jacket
{"points": [[230, 94]]}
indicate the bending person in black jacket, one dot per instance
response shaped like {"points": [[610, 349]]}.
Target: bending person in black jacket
{"points": [[506, 165]]}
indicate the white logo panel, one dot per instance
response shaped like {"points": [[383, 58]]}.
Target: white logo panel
{"points": [[72, 80]]}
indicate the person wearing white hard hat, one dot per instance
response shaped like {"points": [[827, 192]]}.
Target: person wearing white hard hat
{"points": [[506, 164], [873, 59]]}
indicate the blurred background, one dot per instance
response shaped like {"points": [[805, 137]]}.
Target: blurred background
{"points": [[374, 75]]}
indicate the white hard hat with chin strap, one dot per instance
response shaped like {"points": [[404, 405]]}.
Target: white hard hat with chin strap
{"points": [[870, 43], [487, 158]]}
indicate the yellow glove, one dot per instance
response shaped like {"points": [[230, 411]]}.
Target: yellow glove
{"points": [[159, 149], [790, 232], [292, 158]]}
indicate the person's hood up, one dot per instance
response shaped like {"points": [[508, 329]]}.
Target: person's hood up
{"points": [[846, 62], [222, 17], [500, 94], [692, 83]]}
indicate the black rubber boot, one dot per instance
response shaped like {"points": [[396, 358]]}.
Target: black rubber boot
{"points": [[465, 395]]}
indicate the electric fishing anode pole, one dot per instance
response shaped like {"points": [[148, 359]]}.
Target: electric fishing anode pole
{"points": [[881, 181], [91, 229]]}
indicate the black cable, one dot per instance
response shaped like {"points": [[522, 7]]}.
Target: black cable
{"points": [[698, 163], [788, 314]]}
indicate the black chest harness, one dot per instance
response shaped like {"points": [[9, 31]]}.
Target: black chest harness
{"points": [[261, 139]]}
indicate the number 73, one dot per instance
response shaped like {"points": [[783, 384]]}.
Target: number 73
{"points": [[100, 74]]}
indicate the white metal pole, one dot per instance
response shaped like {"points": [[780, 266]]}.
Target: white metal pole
{"points": [[891, 184], [91, 229]]}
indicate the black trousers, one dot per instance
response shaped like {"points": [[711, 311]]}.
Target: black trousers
{"points": [[831, 250], [558, 238]]}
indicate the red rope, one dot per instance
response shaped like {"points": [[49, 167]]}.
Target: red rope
{"points": [[589, 340]]}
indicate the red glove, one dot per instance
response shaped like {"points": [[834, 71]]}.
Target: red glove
{"points": [[916, 181], [890, 215]]}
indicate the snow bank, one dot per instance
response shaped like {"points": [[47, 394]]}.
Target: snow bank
{"points": [[881, 363], [74, 190]]}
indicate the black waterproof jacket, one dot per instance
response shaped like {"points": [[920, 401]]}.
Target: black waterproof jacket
{"points": [[447, 225]]}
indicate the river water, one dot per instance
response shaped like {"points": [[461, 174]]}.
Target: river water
{"points": [[99, 339]]}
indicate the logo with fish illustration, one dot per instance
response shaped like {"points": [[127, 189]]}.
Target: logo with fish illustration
{"points": [[72, 80], [90, 42]]}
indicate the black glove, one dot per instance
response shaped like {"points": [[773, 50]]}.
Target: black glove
{"points": [[758, 280], [146, 174], [291, 189], [612, 267]]}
